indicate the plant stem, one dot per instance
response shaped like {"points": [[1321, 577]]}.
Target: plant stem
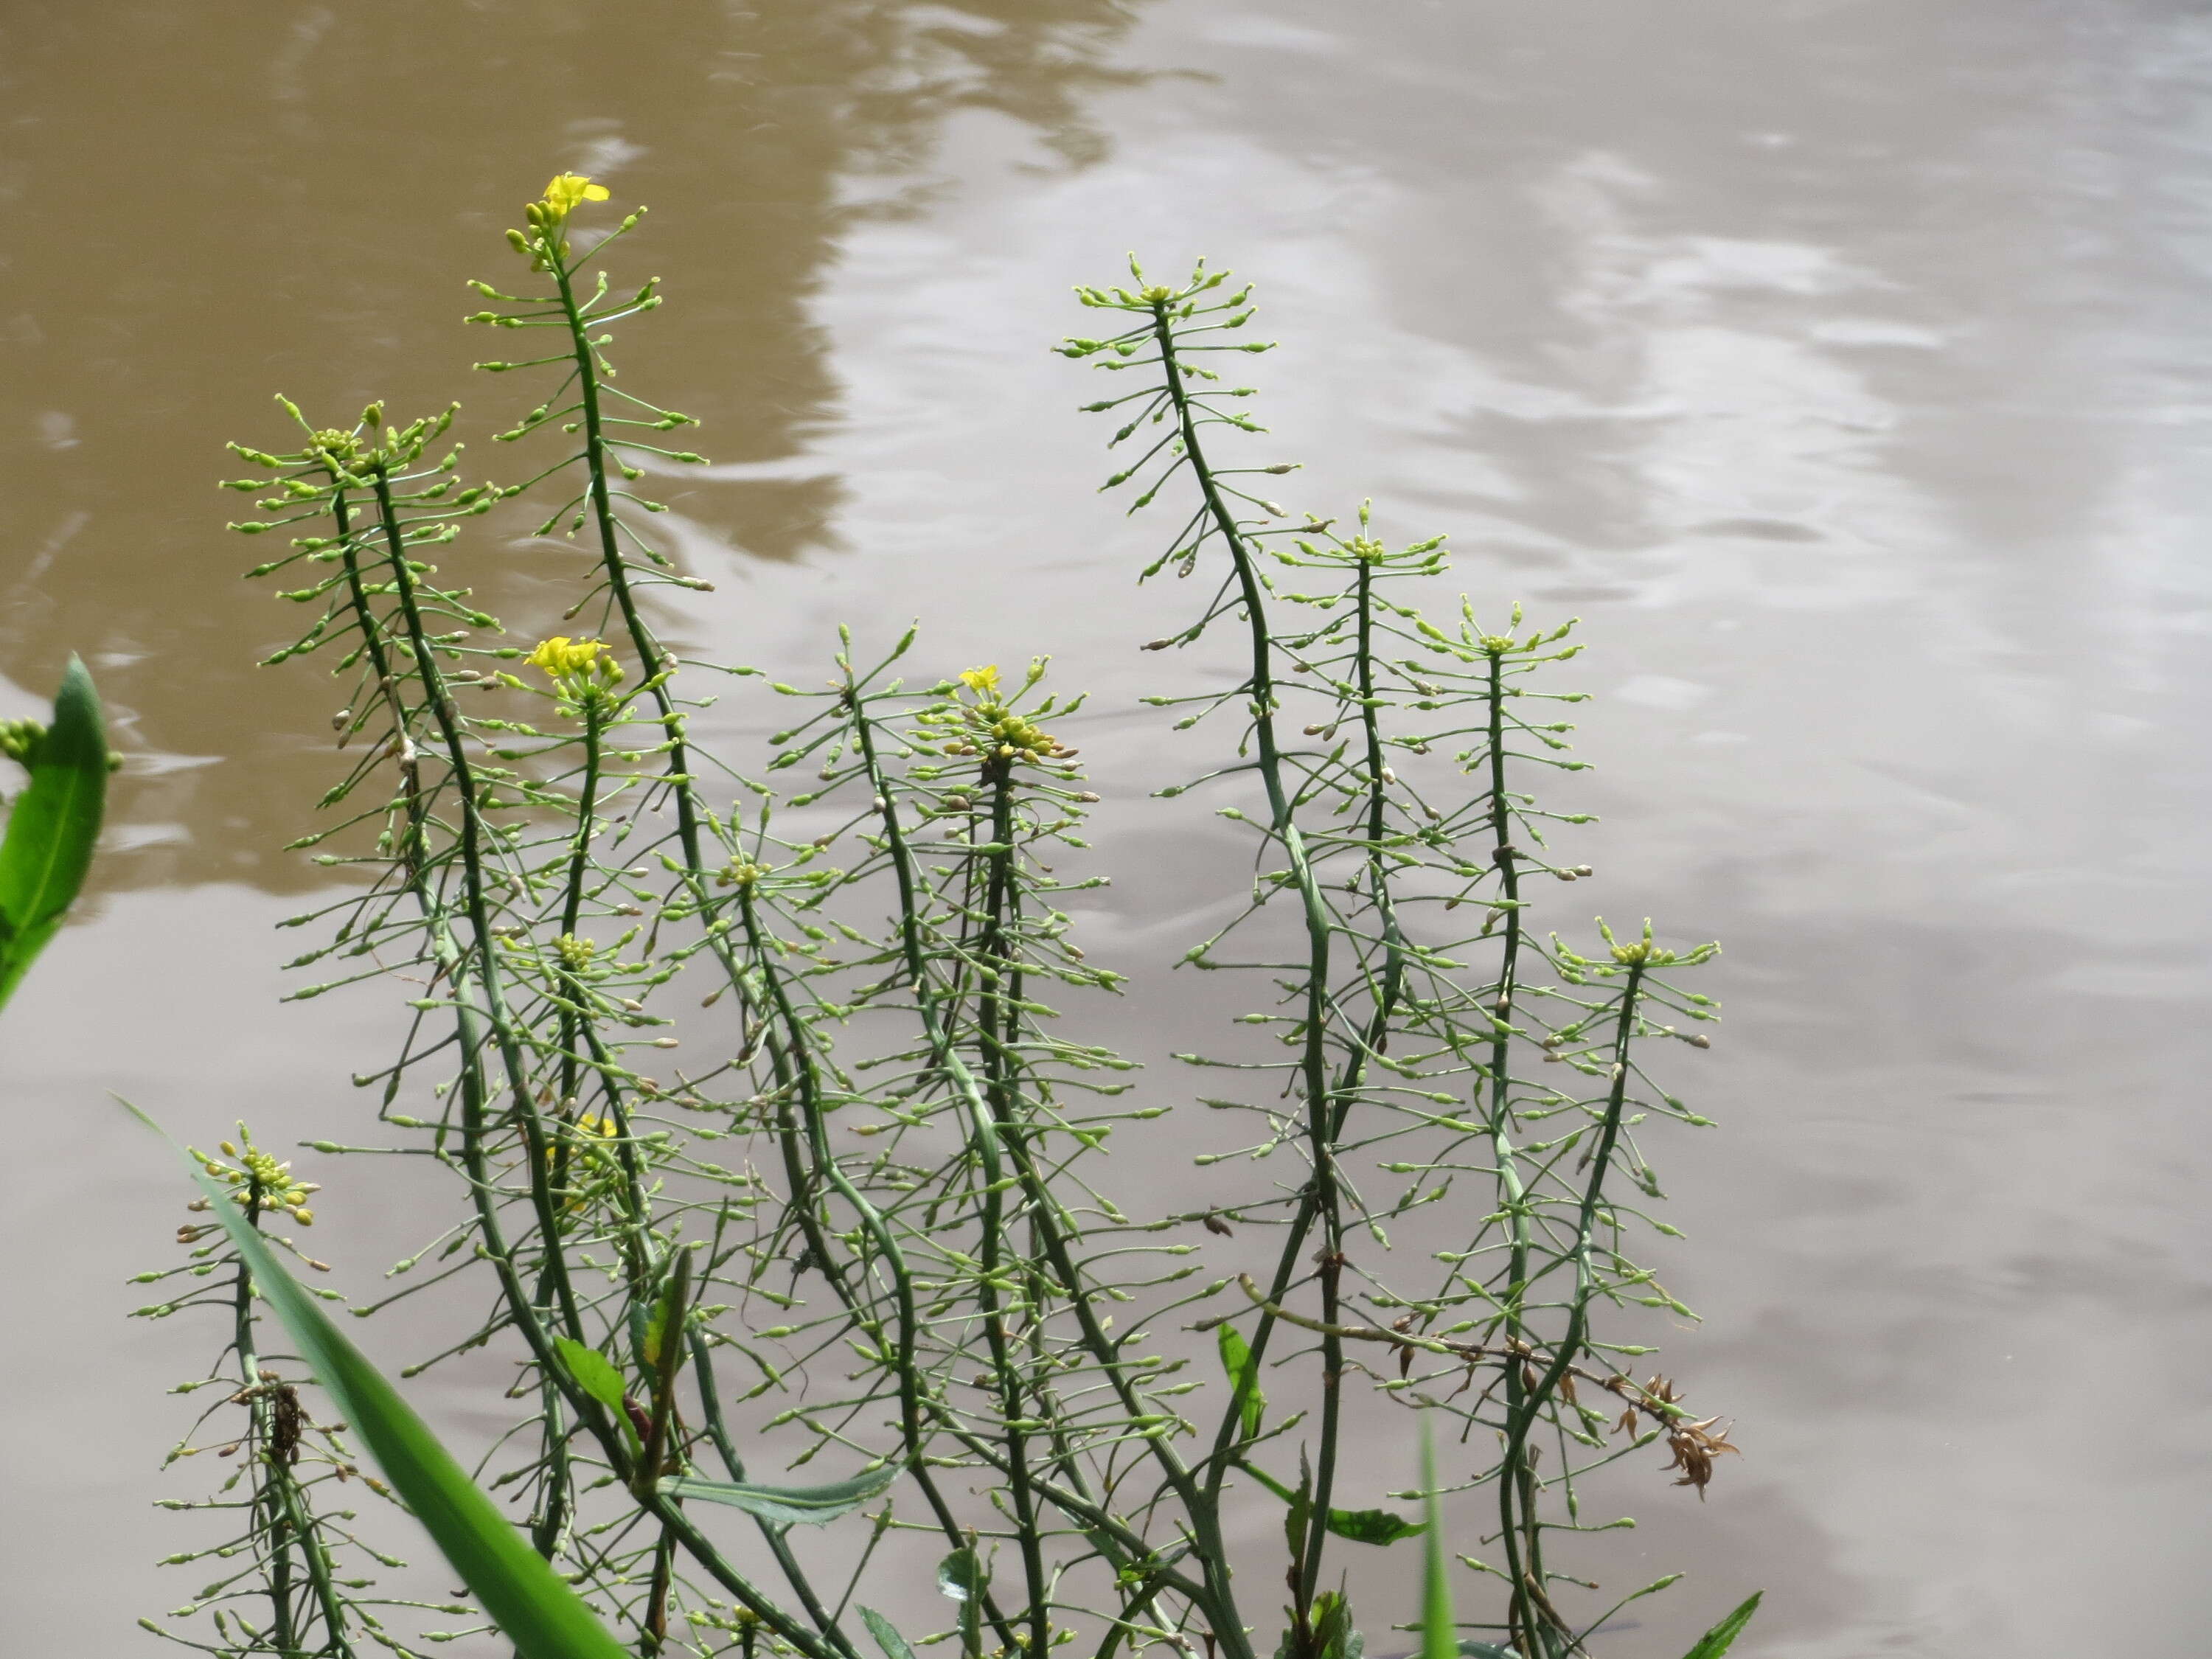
{"points": [[1319, 1203], [493, 1016], [1217, 1601], [1519, 1531]]}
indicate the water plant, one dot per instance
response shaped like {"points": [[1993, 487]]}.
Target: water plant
{"points": [[867, 1242]]}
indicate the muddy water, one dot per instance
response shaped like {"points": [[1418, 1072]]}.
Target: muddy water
{"points": [[1841, 364]]}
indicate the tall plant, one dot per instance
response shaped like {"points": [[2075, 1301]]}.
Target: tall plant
{"points": [[868, 1236], [1414, 1039]]}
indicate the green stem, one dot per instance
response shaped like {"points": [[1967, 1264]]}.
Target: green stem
{"points": [[571, 898], [1520, 1535], [274, 1521], [1537, 1616], [779, 1545], [652, 661], [810, 1162], [477, 907], [493, 1015], [1216, 1600], [997, 1011], [1319, 1202]]}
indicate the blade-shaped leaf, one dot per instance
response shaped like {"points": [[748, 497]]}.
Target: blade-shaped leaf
{"points": [[893, 1644], [1244, 1378], [1722, 1637], [594, 1372], [1361, 1526], [52, 828], [1439, 1638], [1371, 1526], [543, 1618], [786, 1506]]}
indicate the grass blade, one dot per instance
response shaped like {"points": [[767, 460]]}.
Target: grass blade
{"points": [[1717, 1640], [52, 830], [541, 1615], [1439, 1638]]}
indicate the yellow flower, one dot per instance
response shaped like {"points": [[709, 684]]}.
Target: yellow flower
{"points": [[563, 655], [595, 1163], [571, 664], [568, 191], [983, 681]]}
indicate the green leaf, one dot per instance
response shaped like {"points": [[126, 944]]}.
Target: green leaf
{"points": [[1361, 1526], [594, 1372], [893, 1644], [1297, 1516], [1439, 1637], [960, 1577], [1371, 1526], [540, 1614], [1243, 1372], [55, 823], [1333, 1636], [1717, 1640], [656, 1322], [1485, 1651], [785, 1506]]}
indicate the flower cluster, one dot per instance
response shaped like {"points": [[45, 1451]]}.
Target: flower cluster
{"points": [[739, 872], [989, 726], [549, 218], [595, 1163], [581, 669], [19, 740], [258, 1179]]}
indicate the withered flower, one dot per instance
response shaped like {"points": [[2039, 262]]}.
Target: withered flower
{"points": [[1695, 1445]]}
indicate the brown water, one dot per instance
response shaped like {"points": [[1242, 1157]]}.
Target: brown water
{"points": [[1840, 361]]}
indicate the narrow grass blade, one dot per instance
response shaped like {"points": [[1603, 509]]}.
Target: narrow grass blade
{"points": [[785, 1506], [1722, 1637], [52, 830], [541, 1615], [1439, 1638]]}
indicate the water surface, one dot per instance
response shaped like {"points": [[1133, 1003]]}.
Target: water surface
{"points": [[1839, 362]]}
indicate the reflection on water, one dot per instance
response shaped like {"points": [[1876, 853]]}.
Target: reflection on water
{"points": [[207, 208], [1838, 362]]}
